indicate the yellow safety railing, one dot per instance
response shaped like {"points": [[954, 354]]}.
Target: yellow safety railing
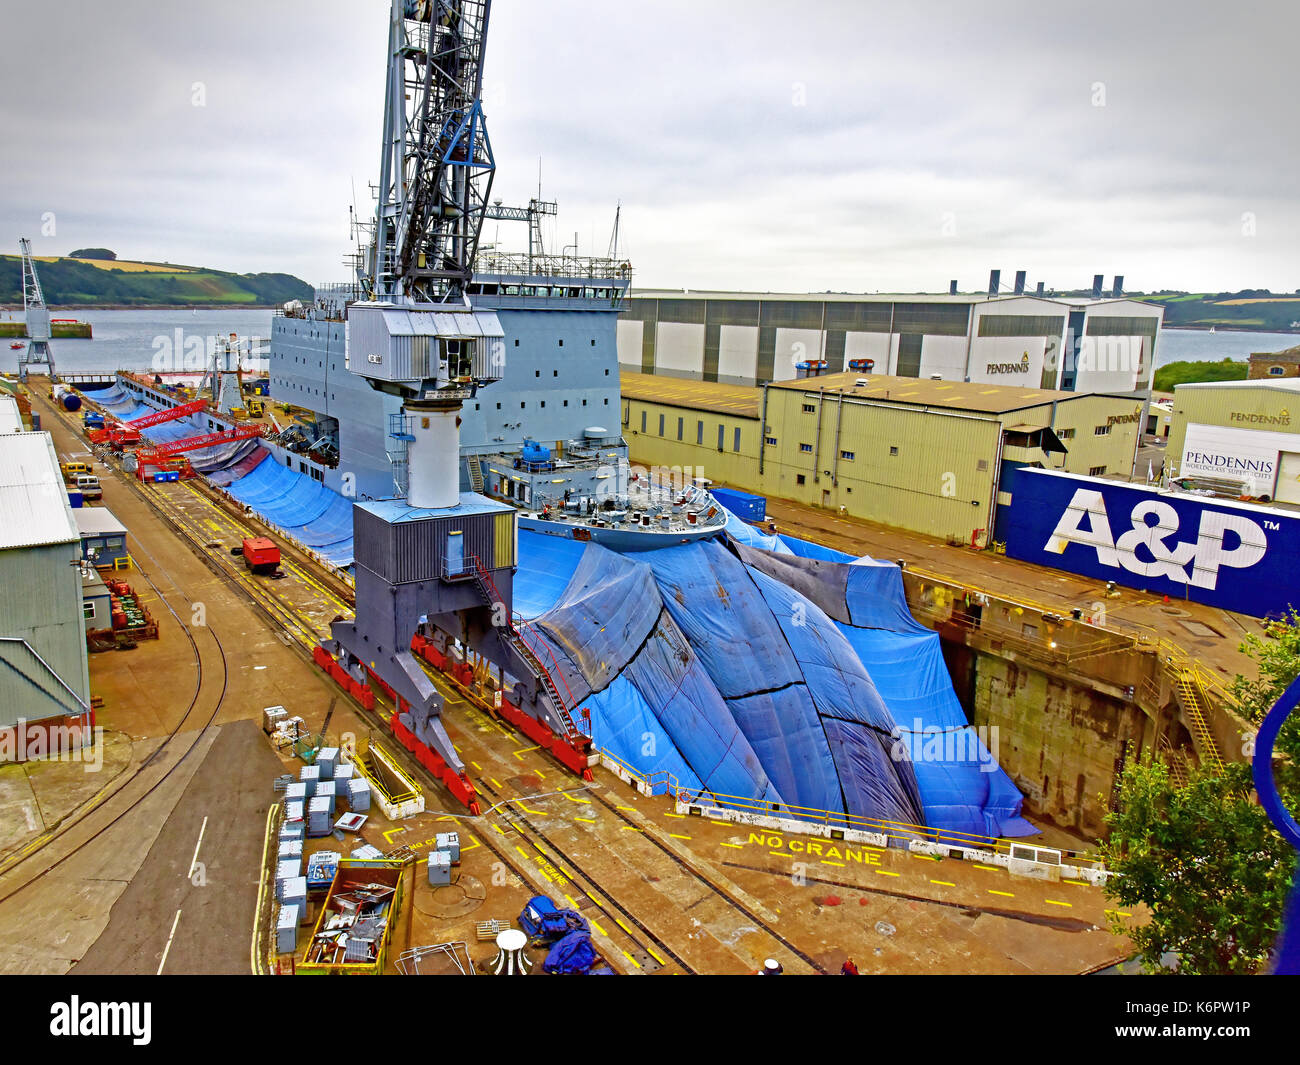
{"points": [[664, 782]]}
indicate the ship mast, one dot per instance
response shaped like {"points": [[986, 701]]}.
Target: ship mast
{"points": [[436, 166]]}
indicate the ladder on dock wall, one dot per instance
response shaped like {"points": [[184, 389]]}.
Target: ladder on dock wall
{"points": [[475, 473], [1192, 698], [532, 653]]}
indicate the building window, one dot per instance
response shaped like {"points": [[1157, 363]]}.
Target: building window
{"points": [[537, 373], [1276, 371], [735, 446], [982, 465], [498, 406], [555, 373], [699, 432], [1101, 430], [681, 424], [808, 408], [566, 402], [661, 425], [771, 440], [643, 421], [722, 435], [893, 451], [806, 448], [543, 402], [847, 455], [1096, 471], [1065, 434], [88, 611], [799, 478]]}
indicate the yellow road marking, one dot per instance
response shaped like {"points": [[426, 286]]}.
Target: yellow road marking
{"points": [[499, 829], [388, 836], [1054, 902], [826, 861], [540, 774], [599, 931], [942, 883], [569, 899], [1080, 883], [477, 766], [653, 954], [586, 820], [496, 783], [674, 835], [630, 808], [521, 850], [680, 817], [1004, 894], [630, 828], [631, 959], [724, 824], [885, 872], [778, 854], [524, 750], [926, 857], [621, 925], [989, 868], [737, 846], [585, 802]]}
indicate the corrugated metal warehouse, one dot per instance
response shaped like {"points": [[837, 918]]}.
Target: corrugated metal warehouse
{"points": [[1065, 343], [917, 454], [1244, 432], [43, 669]]}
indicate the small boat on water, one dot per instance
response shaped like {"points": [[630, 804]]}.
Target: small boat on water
{"points": [[17, 344]]}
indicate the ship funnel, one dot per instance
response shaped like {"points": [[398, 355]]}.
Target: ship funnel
{"points": [[1097, 281], [995, 281], [1020, 283]]}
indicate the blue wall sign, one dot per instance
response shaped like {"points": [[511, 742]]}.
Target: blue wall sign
{"points": [[1234, 556]]}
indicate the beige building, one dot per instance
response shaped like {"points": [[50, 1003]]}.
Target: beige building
{"points": [[925, 455], [1267, 364], [1243, 432]]}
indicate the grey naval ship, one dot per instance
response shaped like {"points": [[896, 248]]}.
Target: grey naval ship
{"points": [[545, 438]]}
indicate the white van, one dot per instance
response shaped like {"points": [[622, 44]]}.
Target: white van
{"points": [[88, 485]]}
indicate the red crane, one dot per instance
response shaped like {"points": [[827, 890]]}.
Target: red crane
{"points": [[151, 456]]}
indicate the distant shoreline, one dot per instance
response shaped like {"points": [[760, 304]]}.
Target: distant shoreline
{"points": [[149, 307]]}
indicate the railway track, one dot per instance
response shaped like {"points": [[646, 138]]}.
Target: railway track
{"points": [[204, 679], [522, 845]]}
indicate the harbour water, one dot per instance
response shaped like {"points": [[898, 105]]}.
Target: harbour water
{"points": [[148, 339]]}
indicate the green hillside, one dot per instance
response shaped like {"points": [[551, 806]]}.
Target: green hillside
{"points": [[1186, 373], [68, 282]]}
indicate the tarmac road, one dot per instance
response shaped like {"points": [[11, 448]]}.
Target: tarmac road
{"points": [[203, 867]]}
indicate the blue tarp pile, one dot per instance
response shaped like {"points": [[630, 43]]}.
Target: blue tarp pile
{"points": [[303, 508], [769, 669]]}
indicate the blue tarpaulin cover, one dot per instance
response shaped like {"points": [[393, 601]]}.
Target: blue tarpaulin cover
{"points": [[571, 956]]}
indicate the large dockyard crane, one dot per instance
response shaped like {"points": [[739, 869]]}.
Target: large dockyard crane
{"points": [[436, 166], [38, 351]]}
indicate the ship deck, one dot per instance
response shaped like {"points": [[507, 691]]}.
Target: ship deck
{"points": [[665, 892]]}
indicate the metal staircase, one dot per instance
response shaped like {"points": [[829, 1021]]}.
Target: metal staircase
{"points": [[1192, 699], [532, 654], [475, 473]]}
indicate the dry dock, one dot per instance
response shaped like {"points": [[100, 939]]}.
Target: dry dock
{"points": [[665, 892]]}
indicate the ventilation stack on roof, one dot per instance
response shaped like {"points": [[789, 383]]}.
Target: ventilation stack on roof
{"points": [[952, 287], [1097, 281], [1039, 290], [1020, 282], [995, 281], [1118, 290]]}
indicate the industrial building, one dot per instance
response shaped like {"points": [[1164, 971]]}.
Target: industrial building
{"points": [[924, 455], [1061, 343], [1242, 433], [44, 683], [103, 537]]}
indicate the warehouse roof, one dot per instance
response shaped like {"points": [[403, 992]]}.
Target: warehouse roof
{"points": [[11, 418], [923, 392], [966, 298], [742, 401], [1283, 384], [98, 521], [34, 509]]}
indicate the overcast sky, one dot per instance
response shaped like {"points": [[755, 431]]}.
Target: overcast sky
{"points": [[753, 145]]}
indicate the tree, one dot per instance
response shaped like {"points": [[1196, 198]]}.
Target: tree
{"points": [[1204, 858], [92, 253]]}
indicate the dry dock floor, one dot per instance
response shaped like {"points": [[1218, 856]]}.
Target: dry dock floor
{"points": [[188, 780]]}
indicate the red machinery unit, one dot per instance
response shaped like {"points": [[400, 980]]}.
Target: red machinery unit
{"points": [[261, 555]]}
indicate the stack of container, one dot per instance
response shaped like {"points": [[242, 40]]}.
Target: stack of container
{"points": [[290, 851], [295, 792], [310, 775], [320, 821], [325, 790], [326, 760], [293, 813], [359, 794], [448, 843], [285, 871], [286, 930], [439, 868], [290, 830]]}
